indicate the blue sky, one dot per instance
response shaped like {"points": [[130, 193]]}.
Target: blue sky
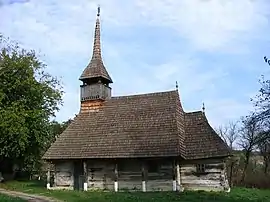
{"points": [[213, 48]]}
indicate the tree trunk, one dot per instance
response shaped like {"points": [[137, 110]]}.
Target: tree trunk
{"points": [[245, 167], [266, 164], [231, 173]]}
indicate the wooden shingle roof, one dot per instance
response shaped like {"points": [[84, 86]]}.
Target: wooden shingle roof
{"points": [[146, 125], [201, 141]]}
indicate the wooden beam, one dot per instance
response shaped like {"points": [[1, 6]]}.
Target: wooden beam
{"points": [[174, 175], [115, 177], [178, 179], [85, 184], [143, 177], [225, 178], [48, 176]]}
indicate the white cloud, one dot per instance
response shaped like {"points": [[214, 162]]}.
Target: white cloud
{"points": [[221, 111], [206, 24], [210, 24], [63, 30], [190, 74]]}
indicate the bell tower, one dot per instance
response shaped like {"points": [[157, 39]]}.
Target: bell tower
{"points": [[95, 88]]}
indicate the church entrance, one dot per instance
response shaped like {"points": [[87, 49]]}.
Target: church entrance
{"points": [[78, 175]]}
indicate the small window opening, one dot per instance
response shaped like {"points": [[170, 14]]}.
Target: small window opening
{"points": [[200, 168]]}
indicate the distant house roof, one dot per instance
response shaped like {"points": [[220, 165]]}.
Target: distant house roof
{"points": [[146, 125]]}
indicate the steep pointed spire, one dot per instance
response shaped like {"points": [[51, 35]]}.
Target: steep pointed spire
{"points": [[97, 45], [96, 68]]}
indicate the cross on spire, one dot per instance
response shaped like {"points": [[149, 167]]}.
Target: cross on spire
{"points": [[203, 108], [98, 11]]}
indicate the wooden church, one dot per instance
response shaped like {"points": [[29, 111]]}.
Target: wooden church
{"points": [[143, 142]]}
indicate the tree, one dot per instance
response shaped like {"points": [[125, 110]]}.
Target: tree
{"points": [[250, 138], [229, 133], [262, 101], [262, 114], [29, 97], [264, 147]]}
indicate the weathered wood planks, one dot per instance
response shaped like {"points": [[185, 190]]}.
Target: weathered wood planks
{"points": [[64, 174], [131, 174]]}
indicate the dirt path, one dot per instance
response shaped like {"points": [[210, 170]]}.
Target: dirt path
{"points": [[28, 197]]}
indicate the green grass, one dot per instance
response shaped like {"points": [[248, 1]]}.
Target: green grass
{"points": [[236, 195], [5, 198]]}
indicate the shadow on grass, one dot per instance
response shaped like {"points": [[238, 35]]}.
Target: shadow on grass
{"points": [[38, 183]]}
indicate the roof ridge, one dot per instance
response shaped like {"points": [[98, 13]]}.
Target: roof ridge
{"points": [[180, 114], [194, 112], [143, 94]]}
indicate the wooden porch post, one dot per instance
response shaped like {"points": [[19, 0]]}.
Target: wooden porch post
{"points": [[143, 178], [85, 184], [116, 177], [174, 175], [48, 176], [178, 176]]}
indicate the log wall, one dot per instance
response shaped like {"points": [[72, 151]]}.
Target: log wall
{"points": [[130, 175], [63, 175], [213, 179], [162, 179], [101, 175]]}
